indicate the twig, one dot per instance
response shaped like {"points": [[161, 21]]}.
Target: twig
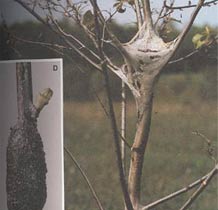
{"points": [[138, 14], [192, 5], [123, 125], [189, 55], [203, 185], [160, 13], [116, 43], [39, 18], [177, 193], [181, 37], [202, 136], [210, 148], [82, 46], [184, 57], [31, 11], [47, 44], [95, 196], [51, 46], [166, 16]]}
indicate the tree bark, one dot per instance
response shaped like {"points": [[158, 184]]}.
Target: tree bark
{"points": [[26, 166], [123, 126], [144, 106], [24, 89]]}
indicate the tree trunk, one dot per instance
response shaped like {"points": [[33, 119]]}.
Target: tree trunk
{"points": [[144, 106]]}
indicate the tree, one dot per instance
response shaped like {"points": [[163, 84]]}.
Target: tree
{"points": [[144, 58]]}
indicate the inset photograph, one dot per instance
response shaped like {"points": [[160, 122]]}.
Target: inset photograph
{"points": [[31, 135]]}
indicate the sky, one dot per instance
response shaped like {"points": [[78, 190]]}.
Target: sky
{"points": [[13, 12]]}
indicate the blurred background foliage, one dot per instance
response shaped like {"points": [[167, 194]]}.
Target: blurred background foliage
{"points": [[185, 101]]}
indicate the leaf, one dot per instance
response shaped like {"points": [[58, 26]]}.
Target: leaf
{"points": [[88, 20], [203, 39], [196, 38], [119, 6], [116, 4], [121, 9], [207, 30], [131, 2], [199, 44]]}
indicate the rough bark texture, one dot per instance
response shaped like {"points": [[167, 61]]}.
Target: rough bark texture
{"points": [[26, 166]]}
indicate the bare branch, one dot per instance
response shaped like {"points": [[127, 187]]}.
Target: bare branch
{"points": [[210, 147], [57, 48], [204, 184], [184, 57], [123, 77], [82, 54], [95, 196], [111, 110], [123, 124], [38, 17], [112, 67], [31, 11], [117, 44], [177, 193], [189, 55], [181, 37], [107, 115], [202, 136], [47, 44], [74, 8], [147, 14], [120, 47], [138, 14], [191, 5], [82, 46], [160, 13], [164, 14], [65, 37]]}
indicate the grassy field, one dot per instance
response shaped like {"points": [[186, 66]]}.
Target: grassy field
{"points": [[174, 157]]}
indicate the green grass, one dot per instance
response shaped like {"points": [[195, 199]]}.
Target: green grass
{"points": [[174, 156]]}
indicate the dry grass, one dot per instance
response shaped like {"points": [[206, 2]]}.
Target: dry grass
{"points": [[174, 156]]}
